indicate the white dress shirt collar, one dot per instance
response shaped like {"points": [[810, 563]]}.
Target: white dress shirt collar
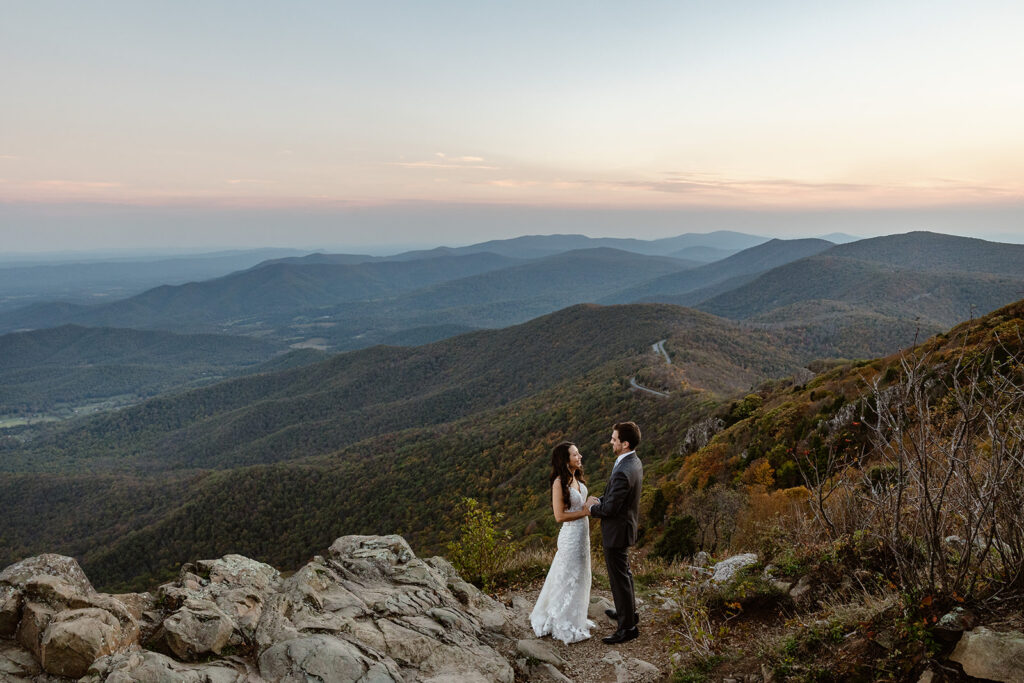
{"points": [[619, 459]]}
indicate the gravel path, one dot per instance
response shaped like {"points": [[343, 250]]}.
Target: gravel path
{"points": [[585, 661]]}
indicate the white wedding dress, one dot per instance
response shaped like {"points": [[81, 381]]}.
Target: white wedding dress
{"points": [[561, 608]]}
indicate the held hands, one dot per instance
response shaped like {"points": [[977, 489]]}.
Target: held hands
{"points": [[591, 501]]}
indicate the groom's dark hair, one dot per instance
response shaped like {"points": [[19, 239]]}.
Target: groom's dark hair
{"points": [[629, 432]]}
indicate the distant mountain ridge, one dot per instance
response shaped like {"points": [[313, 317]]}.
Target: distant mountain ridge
{"points": [[937, 279], [343, 302], [539, 246], [746, 264], [355, 305]]}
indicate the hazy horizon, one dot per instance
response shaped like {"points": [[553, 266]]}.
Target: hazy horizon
{"points": [[161, 125], [388, 230]]}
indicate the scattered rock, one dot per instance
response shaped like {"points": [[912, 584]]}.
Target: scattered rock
{"points": [[701, 559], [521, 606], [802, 590], [952, 624], [632, 670], [992, 655], [546, 673], [597, 607], [726, 570], [670, 605], [10, 610], [16, 663], [926, 677], [34, 620]]}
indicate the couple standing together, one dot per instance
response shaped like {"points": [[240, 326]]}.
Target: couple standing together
{"points": [[564, 601]]}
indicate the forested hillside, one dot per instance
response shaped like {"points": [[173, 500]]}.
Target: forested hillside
{"points": [[400, 433], [66, 366], [834, 435]]}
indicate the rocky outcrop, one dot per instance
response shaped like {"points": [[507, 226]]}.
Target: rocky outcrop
{"points": [[368, 610], [50, 608]]}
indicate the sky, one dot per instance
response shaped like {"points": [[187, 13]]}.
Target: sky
{"points": [[256, 123]]}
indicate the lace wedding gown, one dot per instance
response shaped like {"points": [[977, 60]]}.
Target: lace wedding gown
{"points": [[561, 608]]}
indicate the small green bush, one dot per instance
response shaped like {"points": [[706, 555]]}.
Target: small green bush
{"points": [[482, 550]]}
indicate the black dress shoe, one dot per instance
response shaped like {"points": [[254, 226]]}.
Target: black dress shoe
{"points": [[621, 636], [614, 616]]}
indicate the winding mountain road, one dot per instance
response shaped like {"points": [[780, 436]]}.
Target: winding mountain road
{"points": [[659, 348]]}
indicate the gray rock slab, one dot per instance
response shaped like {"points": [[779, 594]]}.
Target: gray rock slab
{"points": [[997, 656], [540, 650], [323, 658], [48, 564], [153, 667]]}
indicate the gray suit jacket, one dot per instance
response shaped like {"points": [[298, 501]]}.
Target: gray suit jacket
{"points": [[619, 509]]}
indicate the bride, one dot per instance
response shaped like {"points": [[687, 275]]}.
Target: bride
{"points": [[561, 608]]}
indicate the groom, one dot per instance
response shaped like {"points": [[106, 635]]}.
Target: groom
{"points": [[618, 510]]}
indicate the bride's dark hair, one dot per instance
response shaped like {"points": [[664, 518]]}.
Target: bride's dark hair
{"points": [[560, 469]]}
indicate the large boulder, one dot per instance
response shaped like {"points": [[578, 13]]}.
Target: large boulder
{"points": [[236, 585], [57, 566], [996, 656], [196, 630], [74, 639]]}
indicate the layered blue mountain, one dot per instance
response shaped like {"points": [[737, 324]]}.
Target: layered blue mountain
{"points": [[266, 290], [729, 272], [91, 280], [353, 305], [538, 246]]}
